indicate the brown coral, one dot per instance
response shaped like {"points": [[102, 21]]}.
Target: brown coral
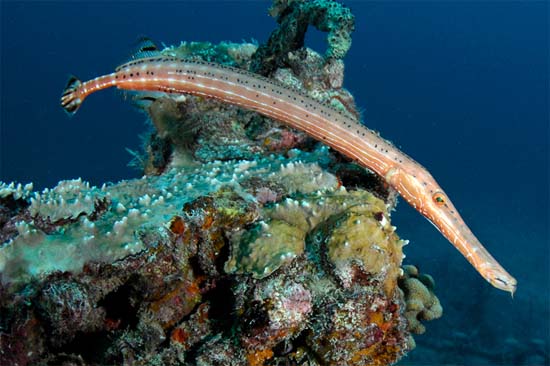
{"points": [[422, 304]]}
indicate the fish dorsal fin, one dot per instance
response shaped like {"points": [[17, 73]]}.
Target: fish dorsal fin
{"points": [[144, 47]]}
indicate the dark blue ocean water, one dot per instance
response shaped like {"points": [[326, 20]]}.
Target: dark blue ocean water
{"points": [[462, 87]]}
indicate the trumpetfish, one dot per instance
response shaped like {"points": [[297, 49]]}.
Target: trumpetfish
{"points": [[321, 121]]}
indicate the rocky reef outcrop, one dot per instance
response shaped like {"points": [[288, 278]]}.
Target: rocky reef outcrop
{"points": [[237, 262]]}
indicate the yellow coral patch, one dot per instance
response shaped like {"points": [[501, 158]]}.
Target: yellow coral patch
{"points": [[277, 243], [259, 357], [362, 240]]}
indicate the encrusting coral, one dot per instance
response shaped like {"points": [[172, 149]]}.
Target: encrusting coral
{"points": [[246, 243]]}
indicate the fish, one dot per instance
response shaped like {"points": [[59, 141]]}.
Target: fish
{"points": [[321, 121]]}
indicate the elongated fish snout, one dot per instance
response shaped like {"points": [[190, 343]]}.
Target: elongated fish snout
{"points": [[504, 282]]}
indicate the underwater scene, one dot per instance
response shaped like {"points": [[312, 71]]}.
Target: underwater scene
{"points": [[285, 182]]}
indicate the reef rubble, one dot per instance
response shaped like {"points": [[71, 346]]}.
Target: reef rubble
{"points": [[244, 243]]}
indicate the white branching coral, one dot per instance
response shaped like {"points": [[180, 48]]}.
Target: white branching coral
{"points": [[78, 232], [69, 199], [304, 177], [17, 191]]}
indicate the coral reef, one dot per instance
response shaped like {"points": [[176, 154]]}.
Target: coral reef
{"points": [[245, 242], [294, 17], [211, 286], [220, 276]]}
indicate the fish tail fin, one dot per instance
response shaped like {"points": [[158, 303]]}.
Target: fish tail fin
{"points": [[70, 99]]}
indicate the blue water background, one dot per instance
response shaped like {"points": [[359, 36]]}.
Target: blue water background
{"points": [[462, 87]]}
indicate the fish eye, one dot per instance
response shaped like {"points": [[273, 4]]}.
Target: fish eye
{"points": [[439, 198]]}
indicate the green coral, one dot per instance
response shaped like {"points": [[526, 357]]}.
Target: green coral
{"points": [[294, 17]]}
